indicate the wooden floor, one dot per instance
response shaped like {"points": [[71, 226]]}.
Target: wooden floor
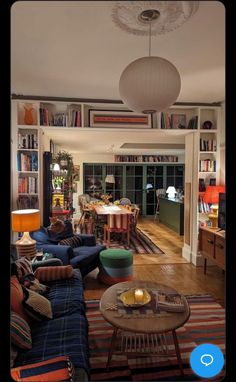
{"points": [[170, 269]]}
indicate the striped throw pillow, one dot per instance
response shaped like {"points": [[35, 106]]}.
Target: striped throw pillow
{"points": [[20, 332], [50, 370], [36, 306], [23, 267], [74, 241], [54, 273], [17, 297]]}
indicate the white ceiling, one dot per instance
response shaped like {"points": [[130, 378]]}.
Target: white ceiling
{"points": [[73, 49]]}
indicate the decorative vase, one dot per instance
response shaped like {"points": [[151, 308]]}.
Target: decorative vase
{"points": [[29, 117]]}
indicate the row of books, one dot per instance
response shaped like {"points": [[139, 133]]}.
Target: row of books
{"points": [[207, 165], [28, 185], [27, 201], [27, 162], [207, 144], [70, 119], [203, 206], [146, 158], [178, 121], [27, 141]]}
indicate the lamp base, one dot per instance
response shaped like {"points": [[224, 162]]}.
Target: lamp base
{"points": [[214, 220], [26, 250]]}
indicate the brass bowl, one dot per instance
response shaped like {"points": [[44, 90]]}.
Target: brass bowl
{"points": [[128, 298]]}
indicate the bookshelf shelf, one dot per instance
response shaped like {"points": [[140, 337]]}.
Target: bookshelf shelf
{"points": [[27, 163]]}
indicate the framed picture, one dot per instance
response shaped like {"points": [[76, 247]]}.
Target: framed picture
{"points": [[178, 121], [76, 173], [119, 118]]}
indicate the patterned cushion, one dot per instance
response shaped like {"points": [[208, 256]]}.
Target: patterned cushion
{"points": [[17, 297], [54, 273], [74, 241], [24, 267], [51, 370], [20, 332], [37, 306]]}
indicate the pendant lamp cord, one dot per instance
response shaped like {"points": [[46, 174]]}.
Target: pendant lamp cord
{"points": [[150, 30]]}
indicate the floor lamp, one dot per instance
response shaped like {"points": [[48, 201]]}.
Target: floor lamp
{"points": [[25, 221]]}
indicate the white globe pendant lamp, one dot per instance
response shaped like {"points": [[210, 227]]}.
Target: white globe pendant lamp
{"points": [[151, 84]]}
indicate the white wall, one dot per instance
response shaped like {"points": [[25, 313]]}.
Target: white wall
{"points": [[222, 146]]}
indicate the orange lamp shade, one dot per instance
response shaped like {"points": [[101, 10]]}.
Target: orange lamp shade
{"points": [[211, 195], [25, 220]]}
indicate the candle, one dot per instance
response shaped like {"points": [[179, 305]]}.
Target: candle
{"points": [[138, 295]]}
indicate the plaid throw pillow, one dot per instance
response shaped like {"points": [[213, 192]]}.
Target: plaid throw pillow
{"points": [[50, 370], [74, 241]]}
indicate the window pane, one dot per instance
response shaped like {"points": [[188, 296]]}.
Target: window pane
{"points": [[170, 170]]}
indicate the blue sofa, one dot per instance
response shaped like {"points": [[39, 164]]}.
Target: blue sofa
{"points": [[66, 334], [85, 257]]}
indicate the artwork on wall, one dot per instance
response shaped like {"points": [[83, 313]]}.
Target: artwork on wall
{"points": [[119, 118], [76, 173], [178, 121]]}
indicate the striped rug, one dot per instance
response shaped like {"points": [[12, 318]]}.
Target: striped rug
{"points": [[205, 325], [139, 243]]}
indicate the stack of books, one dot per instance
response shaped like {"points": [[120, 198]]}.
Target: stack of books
{"points": [[170, 302]]}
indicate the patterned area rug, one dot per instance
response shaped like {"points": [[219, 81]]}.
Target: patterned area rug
{"points": [[139, 243], [205, 325]]}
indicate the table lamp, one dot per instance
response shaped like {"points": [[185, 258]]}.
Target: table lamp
{"points": [[25, 221], [213, 216], [211, 196], [171, 191]]}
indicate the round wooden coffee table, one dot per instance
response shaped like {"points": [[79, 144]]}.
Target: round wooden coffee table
{"points": [[142, 334]]}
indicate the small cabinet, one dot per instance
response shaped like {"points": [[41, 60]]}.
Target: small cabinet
{"points": [[220, 251], [212, 246]]}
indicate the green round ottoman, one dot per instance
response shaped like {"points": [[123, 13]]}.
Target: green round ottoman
{"points": [[116, 265]]}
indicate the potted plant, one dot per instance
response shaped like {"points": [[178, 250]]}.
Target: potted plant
{"points": [[65, 159]]}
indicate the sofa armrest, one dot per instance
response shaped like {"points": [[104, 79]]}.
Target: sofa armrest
{"points": [[62, 252], [87, 240], [46, 263]]}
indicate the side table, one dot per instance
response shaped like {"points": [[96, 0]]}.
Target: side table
{"points": [[143, 335]]}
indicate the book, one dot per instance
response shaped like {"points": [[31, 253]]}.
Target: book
{"points": [[170, 302]]}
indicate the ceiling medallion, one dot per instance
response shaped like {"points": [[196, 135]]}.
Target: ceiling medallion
{"points": [[169, 15]]}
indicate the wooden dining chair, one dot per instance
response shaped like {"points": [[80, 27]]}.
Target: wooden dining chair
{"points": [[117, 223], [160, 192], [134, 218]]}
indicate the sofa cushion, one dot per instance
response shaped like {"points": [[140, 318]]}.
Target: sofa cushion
{"points": [[66, 335], [54, 272], [37, 306], [41, 236], [67, 295], [20, 332], [51, 370], [17, 297], [74, 241]]}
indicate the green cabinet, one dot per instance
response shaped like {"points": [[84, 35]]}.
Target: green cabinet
{"points": [[171, 213]]}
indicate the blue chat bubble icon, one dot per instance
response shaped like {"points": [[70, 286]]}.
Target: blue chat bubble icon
{"points": [[207, 360]]}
